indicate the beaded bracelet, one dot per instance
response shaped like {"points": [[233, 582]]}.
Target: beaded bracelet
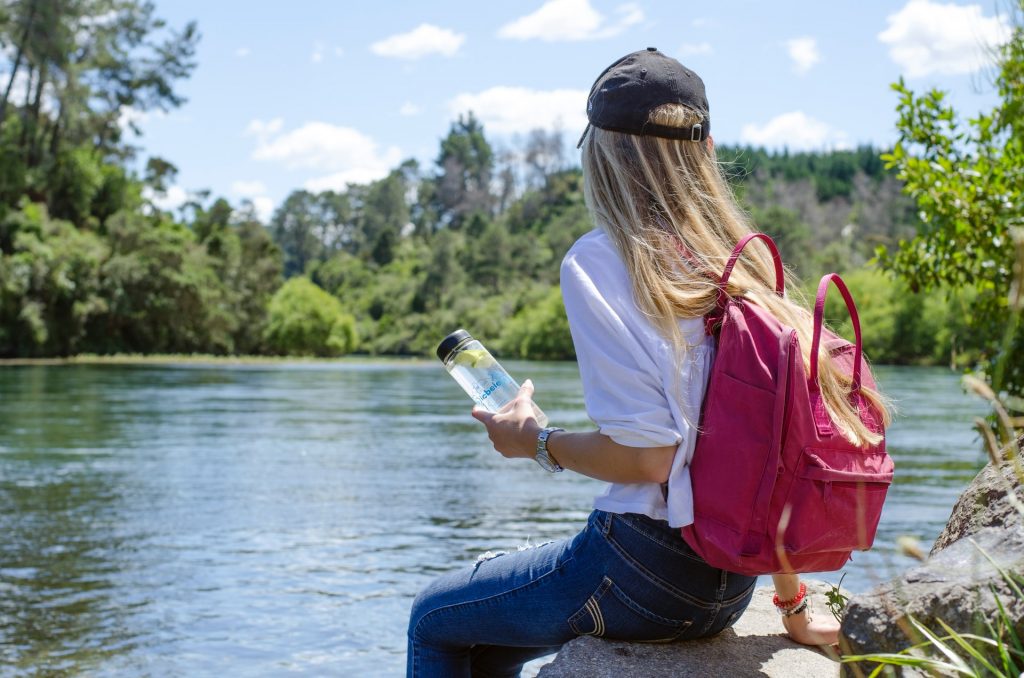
{"points": [[800, 607], [788, 604]]}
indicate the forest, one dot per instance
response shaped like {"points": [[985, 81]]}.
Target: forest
{"points": [[90, 264]]}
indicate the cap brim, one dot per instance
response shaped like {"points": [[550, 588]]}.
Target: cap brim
{"points": [[583, 136]]}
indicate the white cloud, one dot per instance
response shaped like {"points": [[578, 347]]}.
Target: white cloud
{"points": [[170, 200], [567, 20], [262, 129], [321, 51], [127, 117], [346, 154], [337, 181], [248, 189], [409, 109], [518, 109], [242, 52], [688, 49], [804, 53], [928, 37], [424, 40], [263, 207], [318, 52], [255, 193], [796, 131]]}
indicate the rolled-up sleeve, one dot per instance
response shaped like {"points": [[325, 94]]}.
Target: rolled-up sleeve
{"points": [[622, 383]]}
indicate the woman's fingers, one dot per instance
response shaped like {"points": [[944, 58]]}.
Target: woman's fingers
{"points": [[526, 389], [512, 430]]}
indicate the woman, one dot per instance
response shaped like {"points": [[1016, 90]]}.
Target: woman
{"points": [[635, 290]]}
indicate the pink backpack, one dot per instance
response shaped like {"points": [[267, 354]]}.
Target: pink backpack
{"points": [[775, 487]]}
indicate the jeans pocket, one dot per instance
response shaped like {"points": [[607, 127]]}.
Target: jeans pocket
{"points": [[610, 613]]}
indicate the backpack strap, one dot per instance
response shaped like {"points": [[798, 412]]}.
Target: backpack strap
{"points": [[715, 317], [780, 280], [821, 417]]}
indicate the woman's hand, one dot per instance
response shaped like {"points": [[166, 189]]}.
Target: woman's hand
{"points": [[805, 629], [513, 431]]}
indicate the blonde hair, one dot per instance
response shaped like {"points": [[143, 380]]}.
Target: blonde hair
{"points": [[674, 219]]}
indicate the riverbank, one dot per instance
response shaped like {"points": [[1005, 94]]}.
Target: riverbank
{"points": [[207, 359]]}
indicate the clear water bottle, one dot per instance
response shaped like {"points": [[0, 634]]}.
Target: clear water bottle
{"points": [[479, 374]]}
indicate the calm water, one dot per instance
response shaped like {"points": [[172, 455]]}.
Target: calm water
{"points": [[259, 520]]}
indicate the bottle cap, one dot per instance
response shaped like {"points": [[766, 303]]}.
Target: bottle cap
{"points": [[451, 342]]}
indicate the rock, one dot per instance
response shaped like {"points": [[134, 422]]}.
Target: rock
{"points": [[957, 584], [983, 504], [755, 646]]}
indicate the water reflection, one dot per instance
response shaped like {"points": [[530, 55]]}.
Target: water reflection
{"points": [[260, 519], [60, 507]]}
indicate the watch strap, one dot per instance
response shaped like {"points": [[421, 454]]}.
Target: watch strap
{"points": [[543, 457]]}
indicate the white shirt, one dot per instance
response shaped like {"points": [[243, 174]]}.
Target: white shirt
{"points": [[633, 388]]}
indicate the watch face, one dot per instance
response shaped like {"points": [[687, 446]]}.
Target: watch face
{"points": [[545, 463]]}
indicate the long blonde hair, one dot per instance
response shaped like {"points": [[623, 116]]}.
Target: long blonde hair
{"points": [[674, 219]]}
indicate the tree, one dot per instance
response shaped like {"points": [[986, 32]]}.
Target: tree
{"points": [[967, 181], [305, 320], [385, 214], [50, 288], [297, 227], [544, 154], [96, 63], [248, 263], [466, 162], [161, 290]]}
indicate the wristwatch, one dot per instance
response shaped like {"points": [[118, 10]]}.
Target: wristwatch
{"points": [[543, 457]]}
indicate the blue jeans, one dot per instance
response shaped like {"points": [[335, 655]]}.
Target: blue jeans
{"points": [[625, 577]]}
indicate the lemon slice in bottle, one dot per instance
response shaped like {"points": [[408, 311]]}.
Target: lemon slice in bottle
{"points": [[474, 358]]}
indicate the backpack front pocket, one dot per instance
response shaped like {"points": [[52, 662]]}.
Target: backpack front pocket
{"points": [[835, 500]]}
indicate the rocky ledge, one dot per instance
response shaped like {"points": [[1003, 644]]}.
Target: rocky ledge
{"points": [[962, 583], [756, 646]]}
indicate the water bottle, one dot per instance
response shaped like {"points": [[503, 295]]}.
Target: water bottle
{"points": [[479, 374]]}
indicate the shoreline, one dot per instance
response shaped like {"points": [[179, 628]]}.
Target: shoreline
{"points": [[171, 359], [204, 359]]}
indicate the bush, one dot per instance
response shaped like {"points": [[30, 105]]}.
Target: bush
{"points": [[305, 320], [899, 326], [540, 331]]}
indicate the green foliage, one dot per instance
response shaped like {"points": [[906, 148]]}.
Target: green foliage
{"points": [[966, 179], [305, 320], [50, 285], [88, 263], [836, 601], [789, 232], [831, 172], [541, 330], [85, 263], [901, 327], [162, 292], [74, 180]]}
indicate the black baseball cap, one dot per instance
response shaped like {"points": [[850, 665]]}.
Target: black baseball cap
{"points": [[624, 95]]}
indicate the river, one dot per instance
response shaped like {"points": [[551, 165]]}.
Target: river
{"points": [[279, 518]]}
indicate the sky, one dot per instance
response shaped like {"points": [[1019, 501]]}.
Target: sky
{"points": [[315, 94]]}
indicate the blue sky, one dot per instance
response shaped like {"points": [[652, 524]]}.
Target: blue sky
{"points": [[313, 94]]}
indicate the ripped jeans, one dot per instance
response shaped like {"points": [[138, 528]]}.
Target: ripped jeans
{"points": [[625, 577]]}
